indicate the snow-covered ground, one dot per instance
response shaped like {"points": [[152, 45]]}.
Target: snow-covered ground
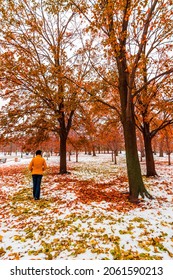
{"points": [[86, 214]]}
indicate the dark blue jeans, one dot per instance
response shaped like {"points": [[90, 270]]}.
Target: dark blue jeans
{"points": [[36, 185]]}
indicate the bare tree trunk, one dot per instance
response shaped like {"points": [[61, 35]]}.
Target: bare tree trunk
{"points": [[115, 157], [136, 185], [63, 160], [69, 156], [169, 158], [112, 155], [150, 164], [93, 150], [160, 151], [77, 155]]}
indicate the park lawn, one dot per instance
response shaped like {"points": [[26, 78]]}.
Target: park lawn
{"points": [[85, 215]]}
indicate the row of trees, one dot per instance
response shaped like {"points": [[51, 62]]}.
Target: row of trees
{"points": [[69, 64], [111, 143]]}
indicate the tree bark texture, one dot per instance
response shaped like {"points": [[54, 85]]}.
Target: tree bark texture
{"points": [[150, 164], [63, 160], [136, 185]]}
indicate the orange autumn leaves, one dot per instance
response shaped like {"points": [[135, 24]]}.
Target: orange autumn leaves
{"points": [[89, 191], [85, 211], [85, 191]]}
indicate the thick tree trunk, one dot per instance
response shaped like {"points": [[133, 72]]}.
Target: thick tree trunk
{"points": [[150, 164], [136, 185], [63, 133], [63, 160]]}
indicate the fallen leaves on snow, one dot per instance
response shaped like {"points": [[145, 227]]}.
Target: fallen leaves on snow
{"points": [[87, 217]]}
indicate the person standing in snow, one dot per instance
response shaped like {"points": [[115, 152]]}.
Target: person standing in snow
{"points": [[37, 166]]}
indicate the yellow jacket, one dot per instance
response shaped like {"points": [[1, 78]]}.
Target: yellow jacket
{"points": [[37, 165]]}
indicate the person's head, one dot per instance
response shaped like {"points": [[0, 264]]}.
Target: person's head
{"points": [[38, 152]]}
